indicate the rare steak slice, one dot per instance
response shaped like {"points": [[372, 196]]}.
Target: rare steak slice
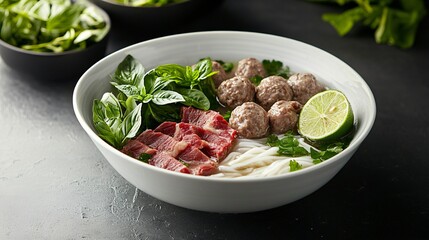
{"points": [[192, 157], [182, 132], [135, 149], [208, 120], [163, 160], [162, 142], [210, 143]]}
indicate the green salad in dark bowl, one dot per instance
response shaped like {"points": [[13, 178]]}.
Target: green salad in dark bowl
{"points": [[50, 39]]}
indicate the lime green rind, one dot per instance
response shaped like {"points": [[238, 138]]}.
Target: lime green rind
{"points": [[326, 116]]}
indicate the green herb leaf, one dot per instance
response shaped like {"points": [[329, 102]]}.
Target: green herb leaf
{"points": [[164, 97], [288, 145], [194, 98], [112, 124], [275, 67], [145, 157], [129, 72], [395, 22], [227, 115], [294, 165], [227, 66], [331, 150], [66, 19], [344, 22], [256, 80], [50, 26]]}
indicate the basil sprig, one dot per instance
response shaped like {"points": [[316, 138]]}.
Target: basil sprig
{"points": [[157, 94]]}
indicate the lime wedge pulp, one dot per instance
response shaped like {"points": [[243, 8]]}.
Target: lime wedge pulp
{"points": [[326, 116]]}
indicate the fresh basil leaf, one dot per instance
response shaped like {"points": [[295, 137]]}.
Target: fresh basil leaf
{"points": [[130, 104], [67, 19], [105, 133], [173, 72], [129, 72], [194, 98], [164, 97], [111, 124], [112, 106], [128, 90], [227, 115], [105, 123], [162, 113], [208, 88], [159, 84], [204, 69], [131, 123]]}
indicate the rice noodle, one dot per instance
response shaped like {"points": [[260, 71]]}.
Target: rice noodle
{"points": [[253, 158]]}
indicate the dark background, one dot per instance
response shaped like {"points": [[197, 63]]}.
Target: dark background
{"points": [[54, 184]]}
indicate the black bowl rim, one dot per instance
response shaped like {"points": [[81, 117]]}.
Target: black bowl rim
{"points": [[118, 4]]}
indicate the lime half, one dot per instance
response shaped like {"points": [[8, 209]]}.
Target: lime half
{"points": [[326, 116]]}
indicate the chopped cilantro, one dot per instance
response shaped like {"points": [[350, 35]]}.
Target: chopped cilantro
{"points": [[275, 67], [144, 157], [227, 115], [294, 165], [330, 151], [288, 145], [256, 80]]}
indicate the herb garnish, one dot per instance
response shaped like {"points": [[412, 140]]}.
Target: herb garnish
{"points": [[294, 165], [145, 99], [144, 157], [50, 26], [395, 22], [227, 66], [273, 68], [289, 146]]}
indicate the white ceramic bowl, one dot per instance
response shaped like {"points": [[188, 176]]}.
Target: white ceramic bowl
{"points": [[215, 194]]}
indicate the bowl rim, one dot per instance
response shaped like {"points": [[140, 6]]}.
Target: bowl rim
{"points": [[100, 10], [118, 4], [356, 141]]}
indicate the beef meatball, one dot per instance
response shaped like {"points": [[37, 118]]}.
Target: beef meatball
{"points": [[304, 86], [283, 116], [250, 120], [250, 67], [220, 76], [236, 91], [272, 89]]}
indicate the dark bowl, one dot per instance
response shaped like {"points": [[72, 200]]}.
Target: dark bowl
{"points": [[68, 65]]}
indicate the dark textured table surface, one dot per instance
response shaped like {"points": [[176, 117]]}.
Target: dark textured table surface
{"points": [[54, 184]]}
